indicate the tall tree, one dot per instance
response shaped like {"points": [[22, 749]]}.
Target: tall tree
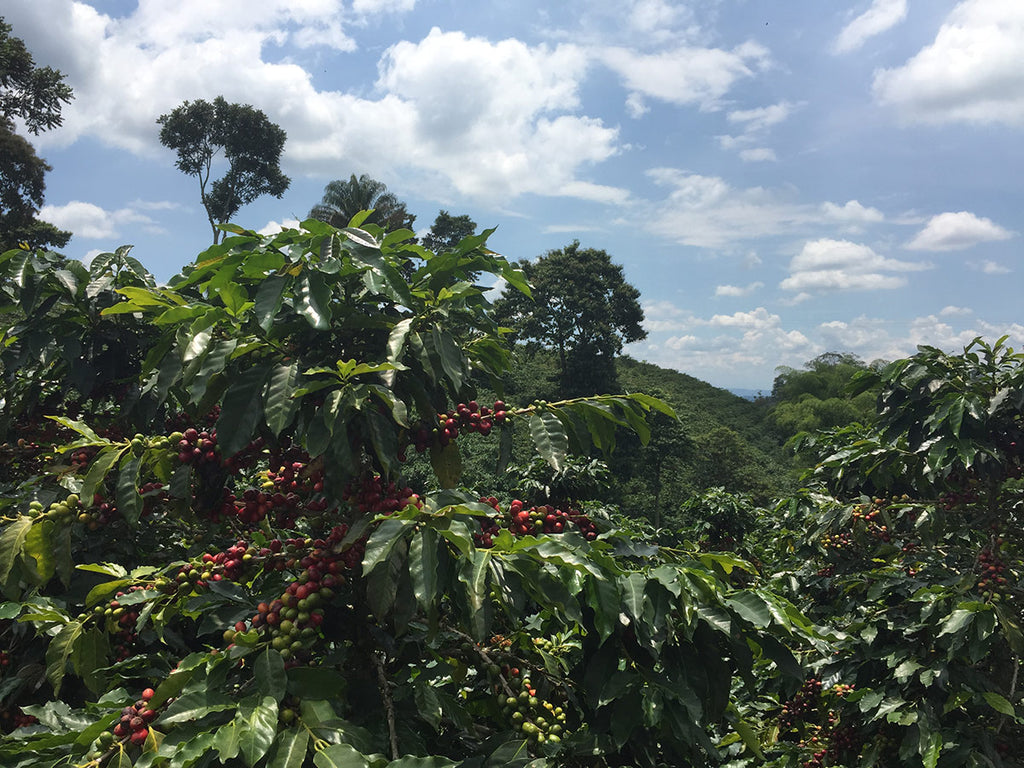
{"points": [[344, 199], [34, 95], [200, 131], [447, 231], [583, 308]]}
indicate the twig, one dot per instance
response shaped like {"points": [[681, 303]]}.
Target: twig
{"points": [[389, 704]]}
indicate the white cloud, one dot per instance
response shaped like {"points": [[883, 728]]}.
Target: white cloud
{"points": [[661, 316], [878, 338], [273, 227], [510, 127], [758, 155], [971, 73], [706, 211], [882, 16], [852, 212], [755, 124], [841, 265], [738, 290], [685, 75], [93, 222], [956, 231], [726, 348], [382, 6], [993, 268], [952, 310], [762, 117]]}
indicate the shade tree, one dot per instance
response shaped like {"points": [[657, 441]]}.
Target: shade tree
{"points": [[34, 95], [201, 132]]}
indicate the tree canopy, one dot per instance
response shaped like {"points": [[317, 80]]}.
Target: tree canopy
{"points": [[820, 396], [343, 199], [34, 95], [447, 231], [200, 131], [582, 307]]}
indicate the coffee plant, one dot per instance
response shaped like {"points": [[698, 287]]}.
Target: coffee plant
{"points": [[209, 555], [911, 550]]}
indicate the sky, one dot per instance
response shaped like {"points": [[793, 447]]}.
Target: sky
{"points": [[777, 179]]}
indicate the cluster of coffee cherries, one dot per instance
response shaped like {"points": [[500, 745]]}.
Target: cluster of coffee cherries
{"points": [[466, 417], [538, 720], [255, 505], [230, 564], [133, 726], [808, 720], [101, 514], [62, 512], [370, 494], [838, 541], [993, 583], [195, 447], [954, 499], [81, 457], [292, 621], [523, 521], [802, 708], [120, 621]]}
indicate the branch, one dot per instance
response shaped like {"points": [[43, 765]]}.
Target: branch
{"points": [[389, 704]]}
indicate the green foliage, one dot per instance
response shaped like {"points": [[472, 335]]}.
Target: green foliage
{"points": [[34, 95], [343, 200], [214, 560], [820, 396], [448, 231], [200, 131], [581, 307], [918, 560]]}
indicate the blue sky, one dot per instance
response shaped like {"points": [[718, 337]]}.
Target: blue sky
{"points": [[778, 179]]}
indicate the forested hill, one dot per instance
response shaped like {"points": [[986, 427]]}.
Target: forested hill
{"points": [[721, 440], [700, 406]]}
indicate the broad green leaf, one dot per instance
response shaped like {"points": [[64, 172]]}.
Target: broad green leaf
{"points": [[12, 543], [89, 655], [78, 426], [423, 562], [956, 621], [633, 594], [549, 438], [447, 464], [339, 756], [396, 339], [129, 502], [59, 652], [751, 607], [271, 677], [259, 727], [382, 540], [473, 573], [195, 705], [314, 298], [268, 300], [999, 703], [40, 548], [99, 468], [289, 750], [241, 410], [450, 355], [280, 407]]}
